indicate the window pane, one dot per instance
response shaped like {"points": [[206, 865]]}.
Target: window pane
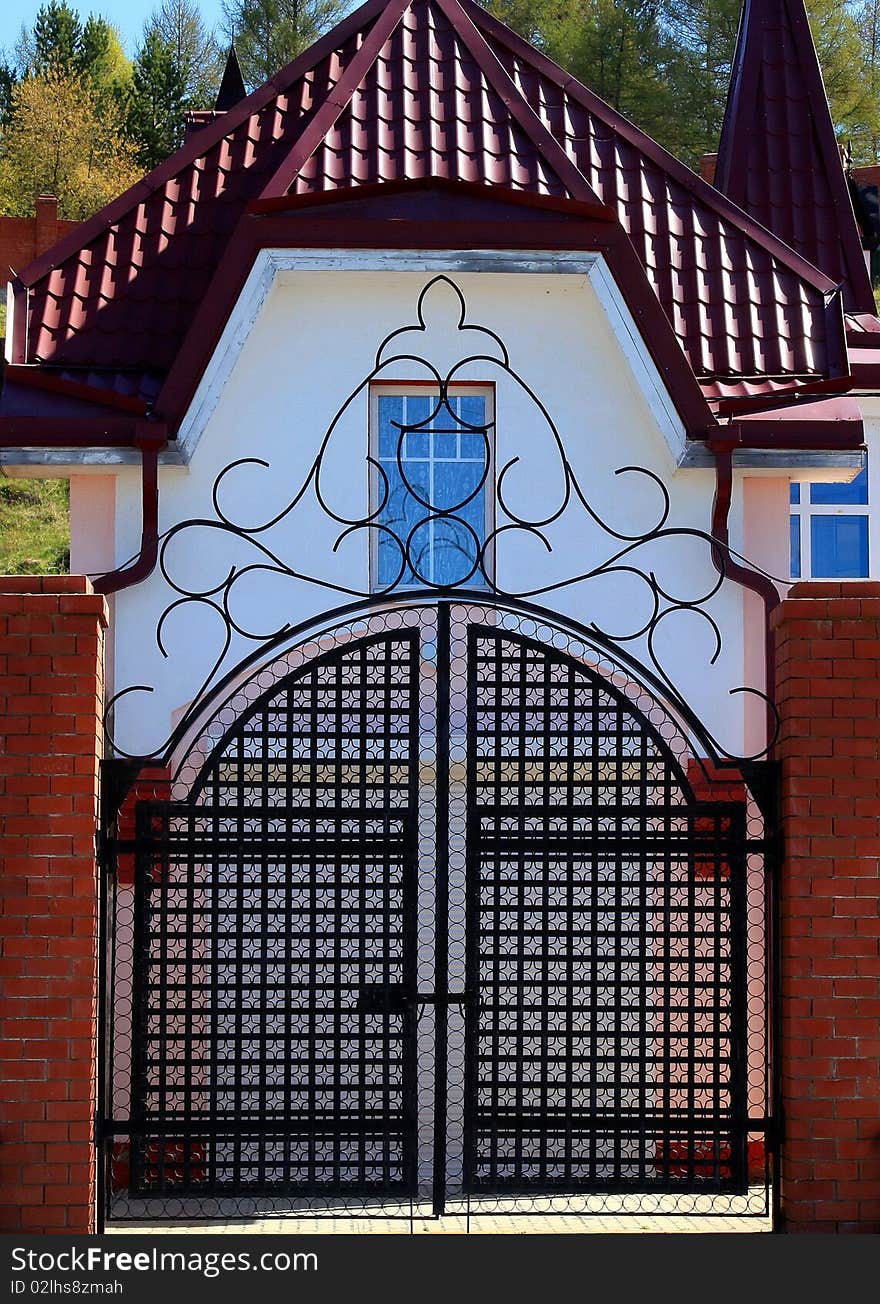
{"points": [[794, 493], [795, 551], [856, 492], [418, 407], [444, 462], [470, 407], [390, 410], [839, 547]]}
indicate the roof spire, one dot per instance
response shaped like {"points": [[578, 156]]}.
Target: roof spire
{"points": [[232, 88], [778, 157]]}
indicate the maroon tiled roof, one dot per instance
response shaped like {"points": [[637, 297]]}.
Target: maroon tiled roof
{"points": [[778, 158], [431, 88]]}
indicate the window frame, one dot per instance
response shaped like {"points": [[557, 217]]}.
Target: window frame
{"points": [[804, 511], [406, 388]]}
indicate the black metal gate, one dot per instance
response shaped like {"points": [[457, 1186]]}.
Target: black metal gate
{"points": [[433, 916], [606, 930]]}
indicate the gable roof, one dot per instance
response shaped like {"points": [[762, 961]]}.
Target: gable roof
{"points": [[778, 157], [408, 90]]}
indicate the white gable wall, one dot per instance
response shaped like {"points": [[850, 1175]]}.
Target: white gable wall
{"points": [[278, 381]]}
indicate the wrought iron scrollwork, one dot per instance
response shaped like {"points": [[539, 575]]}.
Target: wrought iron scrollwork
{"points": [[404, 536]]}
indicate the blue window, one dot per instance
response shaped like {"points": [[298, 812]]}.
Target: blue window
{"points": [[829, 529], [436, 459]]}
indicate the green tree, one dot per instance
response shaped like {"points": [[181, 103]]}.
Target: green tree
{"points": [[101, 57], [59, 41], [57, 37], [617, 47], [64, 142], [194, 48], [8, 79], [702, 34], [864, 127], [177, 67], [156, 103], [270, 33]]}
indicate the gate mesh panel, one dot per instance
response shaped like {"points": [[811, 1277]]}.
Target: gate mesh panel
{"points": [[605, 1019]]}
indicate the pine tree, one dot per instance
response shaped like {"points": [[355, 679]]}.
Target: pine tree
{"points": [[270, 33], [157, 101], [57, 38], [8, 79], [60, 42]]}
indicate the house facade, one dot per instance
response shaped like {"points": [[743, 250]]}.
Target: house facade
{"points": [[444, 448]]}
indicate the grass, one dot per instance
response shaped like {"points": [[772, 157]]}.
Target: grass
{"points": [[34, 527]]}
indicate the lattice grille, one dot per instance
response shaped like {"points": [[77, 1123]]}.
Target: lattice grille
{"points": [[605, 934], [267, 908]]}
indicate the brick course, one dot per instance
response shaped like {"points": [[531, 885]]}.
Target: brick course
{"points": [[51, 694], [828, 693]]}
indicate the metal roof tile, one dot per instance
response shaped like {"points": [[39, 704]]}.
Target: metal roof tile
{"points": [[425, 108]]}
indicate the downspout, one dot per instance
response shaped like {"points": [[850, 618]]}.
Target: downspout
{"points": [[150, 439], [722, 448], [722, 451]]}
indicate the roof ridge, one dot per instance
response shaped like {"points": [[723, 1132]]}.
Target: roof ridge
{"points": [[662, 157], [742, 107], [202, 142], [337, 101], [516, 103]]}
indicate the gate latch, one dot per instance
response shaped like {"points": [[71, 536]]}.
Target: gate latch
{"points": [[378, 998], [393, 998]]}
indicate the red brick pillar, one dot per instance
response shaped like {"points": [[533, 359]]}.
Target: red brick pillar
{"points": [[828, 693], [51, 686]]}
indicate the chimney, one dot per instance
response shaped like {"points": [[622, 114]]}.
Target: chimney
{"points": [[707, 167], [46, 223]]}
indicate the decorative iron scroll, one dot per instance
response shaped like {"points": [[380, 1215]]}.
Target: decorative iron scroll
{"points": [[404, 536]]}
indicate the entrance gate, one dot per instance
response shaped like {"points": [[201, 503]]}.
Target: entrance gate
{"points": [[441, 910]]}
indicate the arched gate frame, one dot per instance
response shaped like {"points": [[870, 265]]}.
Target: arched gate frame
{"points": [[440, 903], [441, 908]]}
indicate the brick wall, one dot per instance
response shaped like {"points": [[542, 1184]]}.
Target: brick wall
{"points": [[828, 692], [22, 239], [51, 657]]}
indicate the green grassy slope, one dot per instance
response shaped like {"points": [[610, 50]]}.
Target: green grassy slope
{"points": [[34, 527]]}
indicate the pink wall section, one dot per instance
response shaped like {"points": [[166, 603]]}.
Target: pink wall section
{"points": [[92, 524]]}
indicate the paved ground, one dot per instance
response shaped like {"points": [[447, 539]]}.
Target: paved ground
{"points": [[494, 1223]]}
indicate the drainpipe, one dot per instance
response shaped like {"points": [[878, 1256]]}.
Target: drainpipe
{"points": [[150, 438], [722, 447]]}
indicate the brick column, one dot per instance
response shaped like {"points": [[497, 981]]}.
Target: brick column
{"points": [[828, 693], [51, 687]]}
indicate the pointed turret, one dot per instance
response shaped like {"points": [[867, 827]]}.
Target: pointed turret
{"points": [[779, 158], [232, 87]]}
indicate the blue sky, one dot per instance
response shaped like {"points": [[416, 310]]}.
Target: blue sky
{"points": [[127, 15]]}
